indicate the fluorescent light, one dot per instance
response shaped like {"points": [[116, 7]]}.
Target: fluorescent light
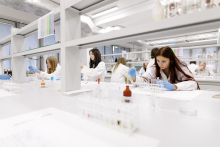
{"points": [[104, 12]]}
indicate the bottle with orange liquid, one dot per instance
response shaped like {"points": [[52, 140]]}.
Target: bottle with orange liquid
{"points": [[42, 82], [127, 93]]}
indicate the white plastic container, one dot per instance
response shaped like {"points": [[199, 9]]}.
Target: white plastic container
{"points": [[158, 12]]}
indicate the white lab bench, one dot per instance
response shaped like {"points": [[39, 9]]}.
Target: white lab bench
{"points": [[208, 82], [165, 125], [205, 82]]}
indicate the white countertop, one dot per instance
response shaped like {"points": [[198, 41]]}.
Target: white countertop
{"points": [[167, 125]]}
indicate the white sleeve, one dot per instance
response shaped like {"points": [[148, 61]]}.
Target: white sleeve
{"points": [[125, 71], [94, 72], [149, 74], [56, 73], [186, 85]]}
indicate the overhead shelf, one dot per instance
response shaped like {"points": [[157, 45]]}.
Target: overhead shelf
{"points": [[186, 60], [34, 25], [181, 25], [6, 57], [5, 40], [85, 6], [112, 55], [128, 63], [191, 44], [41, 50]]}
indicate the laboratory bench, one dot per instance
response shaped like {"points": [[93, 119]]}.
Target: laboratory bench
{"points": [[158, 127], [205, 82]]}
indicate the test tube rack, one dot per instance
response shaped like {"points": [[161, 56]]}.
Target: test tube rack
{"points": [[11, 87], [119, 116]]}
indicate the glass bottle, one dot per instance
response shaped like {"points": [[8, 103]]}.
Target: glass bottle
{"points": [[204, 55], [192, 6], [127, 95], [200, 56], [42, 82], [173, 8], [98, 90], [211, 4]]}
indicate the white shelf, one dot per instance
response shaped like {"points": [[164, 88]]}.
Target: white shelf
{"points": [[139, 52], [189, 44], [112, 55], [217, 59], [175, 26], [42, 50], [129, 63], [201, 46], [5, 40], [6, 57]]}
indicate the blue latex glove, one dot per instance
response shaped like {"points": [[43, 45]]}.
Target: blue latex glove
{"points": [[82, 79], [132, 72], [168, 86], [4, 77], [31, 68]]}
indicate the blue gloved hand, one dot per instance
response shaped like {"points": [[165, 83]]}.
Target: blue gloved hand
{"points": [[132, 72], [31, 68], [168, 86], [82, 79], [4, 77]]}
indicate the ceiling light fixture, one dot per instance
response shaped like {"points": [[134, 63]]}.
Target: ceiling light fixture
{"points": [[104, 12]]}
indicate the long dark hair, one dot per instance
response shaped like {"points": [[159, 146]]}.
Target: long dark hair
{"points": [[97, 60], [174, 65], [153, 52]]}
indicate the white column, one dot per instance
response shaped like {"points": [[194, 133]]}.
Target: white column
{"points": [[17, 44], [1, 61], [70, 57], [18, 63], [19, 69]]}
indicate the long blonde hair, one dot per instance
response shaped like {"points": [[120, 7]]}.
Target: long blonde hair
{"points": [[144, 66], [122, 61], [53, 62]]}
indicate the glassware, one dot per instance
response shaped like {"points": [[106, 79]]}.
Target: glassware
{"points": [[127, 95], [188, 111], [190, 6], [173, 8], [204, 55], [200, 56], [211, 4], [98, 90]]}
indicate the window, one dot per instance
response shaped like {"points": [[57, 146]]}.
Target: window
{"points": [[49, 40], [31, 42], [5, 30]]}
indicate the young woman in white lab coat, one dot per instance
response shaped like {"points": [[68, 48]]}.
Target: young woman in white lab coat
{"points": [[144, 68], [96, 67], [152, 60], [53, 69], [173, 72], [120, 71]]}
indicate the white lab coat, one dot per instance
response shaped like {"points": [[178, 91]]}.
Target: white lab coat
{"points": [[120, 74], [208, 70], [151, 62], [142, 70], [185, 85], [56, 74], [192, 68], [92, 74]]}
